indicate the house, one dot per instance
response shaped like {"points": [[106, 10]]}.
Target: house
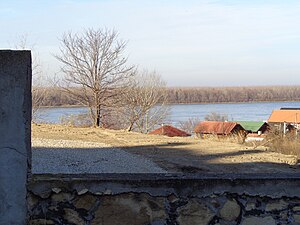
{"points": [[254, 127], [256, 130], [218, 128], [285, 115], [285, 119], [170, 131]]}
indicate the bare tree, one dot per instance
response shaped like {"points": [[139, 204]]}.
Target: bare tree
{"points": [[214, 116], [94, 62], [145, 102], [38, 91], [190, 124]]}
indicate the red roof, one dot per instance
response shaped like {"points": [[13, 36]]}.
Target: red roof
{"points": [[216, 127], [170, 131]]}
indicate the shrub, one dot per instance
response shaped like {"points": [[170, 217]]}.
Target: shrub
{"points": [[283, 143], [189, 125], [78, 120], [214, 116]]}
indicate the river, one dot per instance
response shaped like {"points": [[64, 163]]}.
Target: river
{"points": [[182, 112]]}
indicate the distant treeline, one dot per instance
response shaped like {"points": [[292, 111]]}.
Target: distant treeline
{"points": [[233, 94], [55, 97], [187, 95]]}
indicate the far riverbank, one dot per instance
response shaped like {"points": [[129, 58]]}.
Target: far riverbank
{"points": [[195, 95]]}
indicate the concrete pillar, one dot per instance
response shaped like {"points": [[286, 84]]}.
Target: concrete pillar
{"points": [[15, 135]]}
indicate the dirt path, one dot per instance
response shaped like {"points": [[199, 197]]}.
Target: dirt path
{"points": [[179, 154]]}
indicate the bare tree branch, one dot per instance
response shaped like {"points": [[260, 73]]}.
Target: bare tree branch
{"points": [[145, 102], [38, 91], [94, 62]]}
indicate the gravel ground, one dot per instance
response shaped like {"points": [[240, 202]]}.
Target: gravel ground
{"points": [[133, 152], [68, 156]]}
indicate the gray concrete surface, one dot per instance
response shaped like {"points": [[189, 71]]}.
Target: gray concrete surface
{"points": [[15, 119], [75, 157], [185, 185]]}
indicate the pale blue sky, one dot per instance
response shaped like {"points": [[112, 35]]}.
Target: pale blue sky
{"points": [[190, 43]]}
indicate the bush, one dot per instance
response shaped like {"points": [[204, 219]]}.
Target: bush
{"points": [[286, 144], [78, 120], [189, 125], [214, 116]]}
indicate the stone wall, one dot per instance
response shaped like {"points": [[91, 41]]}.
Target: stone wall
{"points": [[161, 199]]}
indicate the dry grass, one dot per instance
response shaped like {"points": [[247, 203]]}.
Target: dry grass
{"points": [[78, 120], [235, 138], [178, 154], [287, 144]]}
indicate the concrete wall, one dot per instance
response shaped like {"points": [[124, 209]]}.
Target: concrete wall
{"points": [[15, 119], [130, 199]]}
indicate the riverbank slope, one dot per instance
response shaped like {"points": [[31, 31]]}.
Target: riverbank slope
{"points": [[177, 154]]}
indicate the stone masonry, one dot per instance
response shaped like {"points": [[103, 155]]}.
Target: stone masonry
{"points": [[169, 202], [142, 209]]}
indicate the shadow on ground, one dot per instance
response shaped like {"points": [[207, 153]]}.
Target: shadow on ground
{"points": [[172, 158]]}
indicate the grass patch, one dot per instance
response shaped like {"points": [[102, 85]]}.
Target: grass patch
{"points": [[288, 144]]}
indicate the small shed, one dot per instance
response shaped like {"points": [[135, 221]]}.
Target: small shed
{"points": [[169, 131], [218, 128], [285, 119], [254, 127]]}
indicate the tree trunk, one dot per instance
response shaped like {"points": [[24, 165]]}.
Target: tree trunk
{"points": [[147, 123], [98, 117], [130, 127]]}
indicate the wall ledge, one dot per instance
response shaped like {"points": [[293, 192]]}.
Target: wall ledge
{"points": [[184, 185]]}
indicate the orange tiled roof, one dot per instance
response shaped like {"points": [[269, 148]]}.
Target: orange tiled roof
{"points": [[215, 127], [170, 131], [289, 116]]}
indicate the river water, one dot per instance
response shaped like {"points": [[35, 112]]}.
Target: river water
{"points": [[235, 111]]}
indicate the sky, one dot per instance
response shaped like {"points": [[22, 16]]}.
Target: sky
{"points": [[189, 42]]}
